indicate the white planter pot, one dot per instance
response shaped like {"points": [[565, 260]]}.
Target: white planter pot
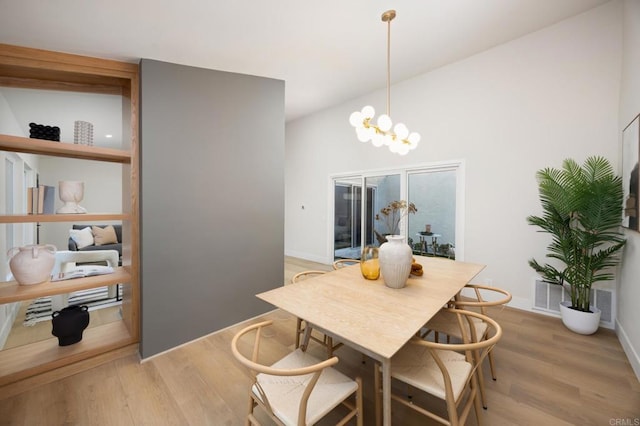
{"points": [[395, 257], [578, 321]]}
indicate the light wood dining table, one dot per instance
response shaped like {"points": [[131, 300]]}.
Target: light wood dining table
{"points": [[369, 316]]}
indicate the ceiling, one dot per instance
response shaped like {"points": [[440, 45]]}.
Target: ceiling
{"points": [[327, 52]]}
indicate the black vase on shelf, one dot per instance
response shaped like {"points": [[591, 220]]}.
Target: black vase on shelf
{"points": [[69, 323]]}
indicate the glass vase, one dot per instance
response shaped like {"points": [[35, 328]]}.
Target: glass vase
{"points": [[369, 265]]}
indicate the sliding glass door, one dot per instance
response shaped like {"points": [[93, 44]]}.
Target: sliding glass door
{"points": [[387, 190], [355, 213], [347, 195], [434, 230]]}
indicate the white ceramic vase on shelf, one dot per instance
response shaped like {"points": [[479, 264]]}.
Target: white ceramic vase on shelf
{"points": [[71, 193], [32, 264], [395, 257]]}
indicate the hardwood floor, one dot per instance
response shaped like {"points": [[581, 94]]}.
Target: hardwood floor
{"points": [[547, 375]]}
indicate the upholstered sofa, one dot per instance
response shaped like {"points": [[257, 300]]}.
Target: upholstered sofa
{"points": [[96, 243]]}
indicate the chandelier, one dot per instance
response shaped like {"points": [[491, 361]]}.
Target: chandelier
{"points": [[399, 141]]}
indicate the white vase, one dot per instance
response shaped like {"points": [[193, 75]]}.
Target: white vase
{"points": [[71, 193], [32, 264], [395, 257], [579, 321]]}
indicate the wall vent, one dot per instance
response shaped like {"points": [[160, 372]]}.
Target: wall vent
{"points": [[547, 298]]}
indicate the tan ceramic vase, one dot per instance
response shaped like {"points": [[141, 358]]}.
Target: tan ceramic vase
{"points": [[32, 264]]}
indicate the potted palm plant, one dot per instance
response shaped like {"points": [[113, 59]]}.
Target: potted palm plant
{"points": [[582, 210]]}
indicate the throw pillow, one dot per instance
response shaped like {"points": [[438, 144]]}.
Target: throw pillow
{"points": [[106, 235], [83, 237]]}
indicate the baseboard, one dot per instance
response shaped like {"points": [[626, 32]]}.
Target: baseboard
{"points": [[309, 257], [522, 303], [247, 321], [629, 350]]}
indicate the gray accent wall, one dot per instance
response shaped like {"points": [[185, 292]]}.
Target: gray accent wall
{"points": [[212, 197]]}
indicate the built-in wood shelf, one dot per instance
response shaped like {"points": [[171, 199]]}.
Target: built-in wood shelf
{"points": [[34, 358], [62, 149], [44, 70], [85, 217], [13, 292]]}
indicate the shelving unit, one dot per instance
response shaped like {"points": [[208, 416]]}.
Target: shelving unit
{"points": [[40, 69], [13, 292]]}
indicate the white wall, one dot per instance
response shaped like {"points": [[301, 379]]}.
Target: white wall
{"points": [[8, 123], [628, 321], [507, 112]]}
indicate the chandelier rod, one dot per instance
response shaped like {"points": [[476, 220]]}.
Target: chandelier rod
{"points": [[388, 17]]}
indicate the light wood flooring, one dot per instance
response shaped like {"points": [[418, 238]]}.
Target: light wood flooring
{"points": [[547, 375]]}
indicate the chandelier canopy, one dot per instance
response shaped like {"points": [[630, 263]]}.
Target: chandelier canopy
{"points": [[399, 140]]}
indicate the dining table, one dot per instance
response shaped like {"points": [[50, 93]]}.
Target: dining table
{"points": [[370, 317]]}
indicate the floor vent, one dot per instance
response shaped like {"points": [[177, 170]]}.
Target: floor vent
{"points": [[547, 298]]}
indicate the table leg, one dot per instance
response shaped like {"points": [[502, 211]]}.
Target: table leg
{"points": [[386, 392], [306, 337]]}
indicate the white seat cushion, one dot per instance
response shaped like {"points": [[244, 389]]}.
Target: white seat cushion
{"points": [[414, 365], [284, 392]]}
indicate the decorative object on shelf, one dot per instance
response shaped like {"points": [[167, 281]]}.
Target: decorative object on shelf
{"points": [[83, 133], [582, 210], [71, 193], [69, 323], [40, 199], [369, 264], [41, 131], [395, 257], [399, 141], [427, 229], [32, 264]]}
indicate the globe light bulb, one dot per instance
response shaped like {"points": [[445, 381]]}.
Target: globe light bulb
{"points": [[388, 139], [356, 119], [414, 138], [368, 112], [377, 140], [384, 122], [363, 134], [401, 131], [403, 149]]}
